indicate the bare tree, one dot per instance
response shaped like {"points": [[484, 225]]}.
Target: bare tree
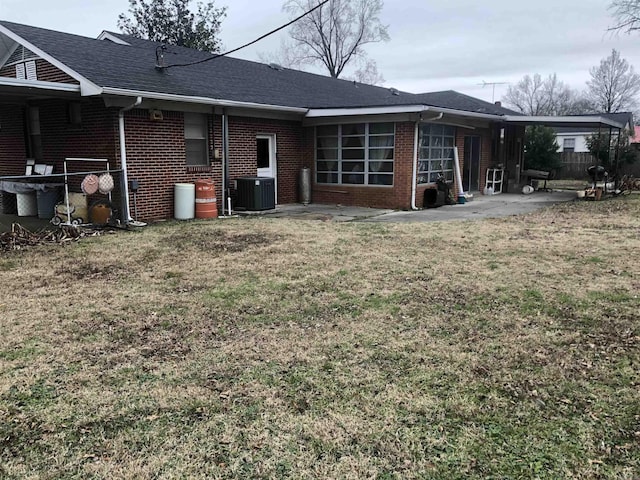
{"points": [[334, 36], [367, 72], [627, 15], [534, 95], [614, 85], [171, 21]]}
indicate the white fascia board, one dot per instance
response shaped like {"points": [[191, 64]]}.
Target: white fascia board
{"points": [[559, 121], [201, 100], [87, 87], [60, 87], [464, 113], [111, 37], [347, 112]]}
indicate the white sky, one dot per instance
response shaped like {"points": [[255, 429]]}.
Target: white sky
{"points": [[435, 45]]}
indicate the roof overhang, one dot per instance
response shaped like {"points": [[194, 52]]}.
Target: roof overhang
{"points": [[569, 121], [87, 87], [320, 113], [13, 89], [112, 38], [214, 102]]}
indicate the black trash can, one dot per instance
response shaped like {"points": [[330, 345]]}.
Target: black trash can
{"points": [[434, 198]]}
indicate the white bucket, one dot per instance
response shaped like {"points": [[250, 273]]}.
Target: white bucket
{"points": [[581, 193], [27, 204], [184, 205]]}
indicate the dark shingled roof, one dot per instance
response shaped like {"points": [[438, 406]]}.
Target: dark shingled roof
{"points": [[132, 67]]}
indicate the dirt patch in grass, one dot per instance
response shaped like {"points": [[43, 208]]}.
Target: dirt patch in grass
{"points": [[219, 241], [279, 348]]}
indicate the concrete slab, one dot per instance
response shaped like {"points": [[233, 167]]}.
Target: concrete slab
{"points": [[482, 206], [313, 211]]}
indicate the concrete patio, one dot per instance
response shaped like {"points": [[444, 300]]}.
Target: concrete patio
{"points": [[482, 206]]}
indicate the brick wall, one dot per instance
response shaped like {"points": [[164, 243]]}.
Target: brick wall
{"points": [[292, 152], [156, 157], [94, 137], [45, 72], [12, 143]]}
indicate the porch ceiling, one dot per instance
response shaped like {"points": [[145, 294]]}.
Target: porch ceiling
{"points": [[17, 91]]}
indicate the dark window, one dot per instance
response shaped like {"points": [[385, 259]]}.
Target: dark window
{"points": [[263, 153]]}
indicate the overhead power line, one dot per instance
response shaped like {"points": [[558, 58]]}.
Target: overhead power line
{"points": [[252, 42]]}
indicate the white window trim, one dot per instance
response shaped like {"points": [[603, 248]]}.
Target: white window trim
{"points": [[429, 172], [366, 172], [206, 160]]}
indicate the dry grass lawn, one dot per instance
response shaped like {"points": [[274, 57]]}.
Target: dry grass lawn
{"points": [[273, 348]]}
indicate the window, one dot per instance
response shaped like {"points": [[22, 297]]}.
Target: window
{"points": [[195, 138], [569, 145], [435, 154], [355, 154]]}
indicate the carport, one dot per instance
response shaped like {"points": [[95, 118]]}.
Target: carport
{"points": [[598, 122]]}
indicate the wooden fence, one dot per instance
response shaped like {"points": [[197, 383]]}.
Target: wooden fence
{"points": [[574, 166]]}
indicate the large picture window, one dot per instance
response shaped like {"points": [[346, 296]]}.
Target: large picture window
{"points": [[355, 154], [195, 138], [435, 154]]}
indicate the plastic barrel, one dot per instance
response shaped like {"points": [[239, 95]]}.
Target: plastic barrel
{"points": [[47, 202], [27, 204], [184, 201], [206, 202]]}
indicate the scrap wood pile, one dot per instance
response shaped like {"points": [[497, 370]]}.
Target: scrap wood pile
{"points": [[20, 237]]}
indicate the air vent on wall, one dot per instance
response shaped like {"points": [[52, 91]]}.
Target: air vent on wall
{"points": [[156, 115]]}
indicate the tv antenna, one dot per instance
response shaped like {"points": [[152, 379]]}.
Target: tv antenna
{"points": [[493, 84]]}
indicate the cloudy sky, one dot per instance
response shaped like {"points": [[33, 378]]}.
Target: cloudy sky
{"points": [[435, 44]]}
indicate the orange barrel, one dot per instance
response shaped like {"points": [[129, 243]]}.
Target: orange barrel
{"points": [[206, 202]]}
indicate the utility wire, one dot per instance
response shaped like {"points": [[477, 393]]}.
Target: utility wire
{"points": [[252, 42]]}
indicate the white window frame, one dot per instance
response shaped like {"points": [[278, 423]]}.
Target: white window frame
{"points": [[569, 143], [198, 120], [428, 175], [367, 162]]}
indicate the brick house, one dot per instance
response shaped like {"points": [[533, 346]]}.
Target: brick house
{"points": [[166, 115]]}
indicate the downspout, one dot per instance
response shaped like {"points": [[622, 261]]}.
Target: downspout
{"points": [[225, 161], [123, 158], [414, 177]]}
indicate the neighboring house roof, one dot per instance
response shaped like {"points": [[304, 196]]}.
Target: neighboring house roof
{"points": [[132, 68]]}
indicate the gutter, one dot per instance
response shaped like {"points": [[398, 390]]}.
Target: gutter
{"points": [[39, 84], [123, 158], [201, 100]]}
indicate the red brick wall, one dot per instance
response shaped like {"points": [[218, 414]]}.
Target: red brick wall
{"points": [[48, 73], [291, 152], [398, 196], [12, 143], [156, 157], [93, 138], [45, 72]]}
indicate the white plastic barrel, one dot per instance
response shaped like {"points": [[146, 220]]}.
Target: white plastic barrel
{"points": [[27, 204], [184, 201]]}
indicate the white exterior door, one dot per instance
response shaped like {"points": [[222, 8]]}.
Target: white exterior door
{"points": [[266, 156]]}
